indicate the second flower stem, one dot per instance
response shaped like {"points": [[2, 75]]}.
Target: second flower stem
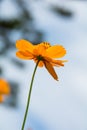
{"points": [[29, 95]]}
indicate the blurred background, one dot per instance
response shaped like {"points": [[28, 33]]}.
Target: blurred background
{"points": [[54, 105]]}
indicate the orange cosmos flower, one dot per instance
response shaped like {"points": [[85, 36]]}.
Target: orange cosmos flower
{"points": [[43, 52], [4, 89]]}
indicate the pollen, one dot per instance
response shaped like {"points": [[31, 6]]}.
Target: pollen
{"points": [[46, 44]]}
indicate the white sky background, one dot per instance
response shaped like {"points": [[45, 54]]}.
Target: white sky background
{"points": [[61, 105]]}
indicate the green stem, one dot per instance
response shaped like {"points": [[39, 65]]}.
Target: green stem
{"points": [[29, 95]]}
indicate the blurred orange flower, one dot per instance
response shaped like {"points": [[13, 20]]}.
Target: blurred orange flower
{"points": [[43, 52], [4, 89]]}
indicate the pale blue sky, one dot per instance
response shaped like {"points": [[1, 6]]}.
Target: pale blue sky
{"points": [[59, 105]]}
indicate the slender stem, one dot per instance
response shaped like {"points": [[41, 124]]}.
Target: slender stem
{"points": [[29, 95]]}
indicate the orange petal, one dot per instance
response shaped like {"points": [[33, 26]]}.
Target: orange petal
{"points": [[55, 62], [39, 50], [24, 45], [4, 87], [24, 55], [58, 63], [1, 98], [51, 70], [56, 51], [41, 64]]}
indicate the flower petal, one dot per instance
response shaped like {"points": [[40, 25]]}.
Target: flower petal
{"points": [[1, 98], [4, 87], [58, 63], [51, 70], [24, 55], [41, 64], [24, 45], [55, 62], [56, 51], [39, 50]]}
